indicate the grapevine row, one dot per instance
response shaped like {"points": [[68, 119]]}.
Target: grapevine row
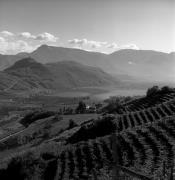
{"points": [[145, 148]]}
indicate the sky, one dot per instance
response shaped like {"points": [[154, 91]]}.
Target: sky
{"points": [[93, 25]]}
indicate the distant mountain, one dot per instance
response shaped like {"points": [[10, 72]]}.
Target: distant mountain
{"points": [[146, 64], [142, 64], [27, 74], [128, 64]]}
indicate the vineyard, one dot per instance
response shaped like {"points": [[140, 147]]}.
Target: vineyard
{"points": [[146, 116], [145, 140], [144, 143], [146, 102], [146, 147]]}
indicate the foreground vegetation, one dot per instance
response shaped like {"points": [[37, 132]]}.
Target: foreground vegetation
{"points": [[144, 129]]}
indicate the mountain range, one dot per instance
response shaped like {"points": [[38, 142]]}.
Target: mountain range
{"points": [[127, 64]]}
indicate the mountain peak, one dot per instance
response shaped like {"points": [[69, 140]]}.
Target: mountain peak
{"points": [[43, 46]]}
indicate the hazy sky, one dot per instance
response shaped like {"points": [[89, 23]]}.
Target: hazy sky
{"points": [[98, 25]]}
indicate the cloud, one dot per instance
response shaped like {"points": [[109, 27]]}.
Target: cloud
{"points": [[112, 46], [13, 47], [27, 35], [96, 44], [2, 39], [22, 46], [3, 45], [85, 42], [91, 44], [78, 41], [103, 43], [25, 41], [7, 33], [130, 46], [43, 37], [73, 41], [46, 37], [11, 43]]}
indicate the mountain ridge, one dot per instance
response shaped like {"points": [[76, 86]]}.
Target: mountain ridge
{"points": [[146, 64]]}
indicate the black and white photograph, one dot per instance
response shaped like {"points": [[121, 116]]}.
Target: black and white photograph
{"points": [[87, 89]]}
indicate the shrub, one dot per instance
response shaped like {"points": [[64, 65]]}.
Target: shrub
{"points": [[166, 89], [34, 116], [152, 91], [93, 129]]}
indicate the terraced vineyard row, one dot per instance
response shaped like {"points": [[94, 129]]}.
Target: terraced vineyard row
{"points": [[145, 116], [120, 123], [146, 102], [142, 149]]}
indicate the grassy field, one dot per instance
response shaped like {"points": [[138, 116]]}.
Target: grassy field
{"points": [[38, 132]]}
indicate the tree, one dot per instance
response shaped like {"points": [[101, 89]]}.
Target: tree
{"points": [[166, 89], [152, 91], [81, 107], [72, 124], [114, 105]]}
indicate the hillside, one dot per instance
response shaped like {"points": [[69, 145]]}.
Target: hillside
{"points": [[8, 60], [142, 139], [74, 74], [28, 74]]}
